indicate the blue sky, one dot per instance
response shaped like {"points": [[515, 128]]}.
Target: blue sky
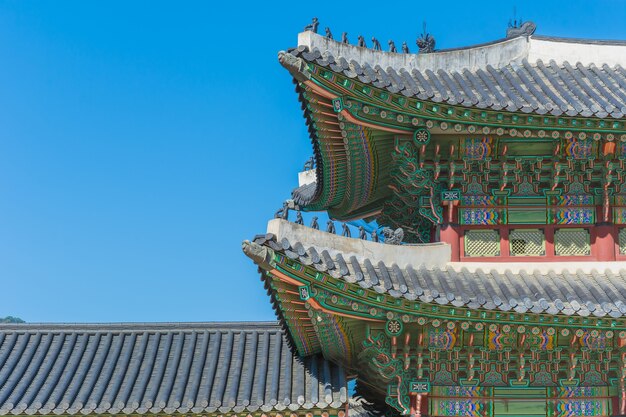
{"points": [[141, 142]]}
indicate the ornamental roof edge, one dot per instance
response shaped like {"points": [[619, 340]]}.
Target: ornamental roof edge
{"points": [[498, 53], [431, 255]]}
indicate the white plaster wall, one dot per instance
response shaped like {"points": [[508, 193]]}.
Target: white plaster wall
{"points": [[306, 177], [430, 255], [498, 55], [573, 52]]}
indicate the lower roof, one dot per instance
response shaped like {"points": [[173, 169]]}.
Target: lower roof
{"points": [[552, 288], [159, 368]]}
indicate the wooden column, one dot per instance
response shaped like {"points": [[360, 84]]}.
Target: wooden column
{"points": [[419, 405], [618, 404], [604, 244], [449, 234]]}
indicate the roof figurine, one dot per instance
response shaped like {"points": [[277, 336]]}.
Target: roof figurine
{"points": [[312, 26], [374, 236], [376, 44], [345, 230], [314, 224], [344, 38], [361, 42], [392, 46], [330, 227], [405, 48], [299, 219], [520, 28], [362, 234], [393, 237], [426, 42], [309, 164], [329, 34], [283, 212]]}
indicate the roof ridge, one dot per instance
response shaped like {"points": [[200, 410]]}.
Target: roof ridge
{"points": [[137, 326]]}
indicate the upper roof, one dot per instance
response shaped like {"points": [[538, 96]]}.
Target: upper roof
{"points": [[530, 74], [168, 368]]}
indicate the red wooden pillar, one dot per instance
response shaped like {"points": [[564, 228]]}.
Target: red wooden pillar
{"points": [[618, 404], [419, 405], [604, 244], [449, 234]]}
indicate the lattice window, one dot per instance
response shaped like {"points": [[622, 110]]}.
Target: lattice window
{"points": [[527, 242], [573, 242], [622, 241], [482, 243]]}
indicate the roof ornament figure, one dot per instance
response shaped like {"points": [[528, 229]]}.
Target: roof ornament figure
{"points": [[392, 46], [374, 236], [309, 164], [345, 230], [283, 212], [393, 237], [312, 26], [344, 37], [376, 44], [520, 28], [330, 226], [426, 42], [405, 48], [362, 234], [329, 34], [314, 224], [361, 42], [299, 219]]}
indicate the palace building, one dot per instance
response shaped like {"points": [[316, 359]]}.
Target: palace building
{"points": [[497, 174], [480, 271]]}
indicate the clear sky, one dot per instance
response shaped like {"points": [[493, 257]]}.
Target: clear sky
{"points": [[142, 141]]}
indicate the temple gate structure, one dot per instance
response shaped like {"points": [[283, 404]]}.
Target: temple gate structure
{"points": [[500, 170]]}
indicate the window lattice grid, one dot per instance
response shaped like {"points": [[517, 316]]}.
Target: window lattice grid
{"points": [[482, 243], [527, 242], [622, 241], [573, 242]]}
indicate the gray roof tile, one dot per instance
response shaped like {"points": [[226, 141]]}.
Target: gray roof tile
{"points": [[159, 368], [554, 292], [558, 88]]}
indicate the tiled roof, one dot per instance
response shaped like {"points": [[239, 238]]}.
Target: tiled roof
{"points": [[304, 194], [570, 292], [541, 87], [160, 368]]}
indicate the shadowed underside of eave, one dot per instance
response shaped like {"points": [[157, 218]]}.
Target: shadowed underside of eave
{"points": [[352, 162]]}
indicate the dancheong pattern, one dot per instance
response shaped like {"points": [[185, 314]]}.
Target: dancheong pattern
{"points": [[442, 338], [458, 401], [478, 148], [537, 174], [580, 401]]}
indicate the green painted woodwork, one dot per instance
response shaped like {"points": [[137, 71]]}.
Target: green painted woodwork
{"points": [[389, 343], [526, 216], [437, 112], [359, 302], [355, 169]]}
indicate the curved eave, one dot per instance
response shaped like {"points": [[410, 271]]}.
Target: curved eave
{"points": [[517, 82], [347, 154], [571, 294]]}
